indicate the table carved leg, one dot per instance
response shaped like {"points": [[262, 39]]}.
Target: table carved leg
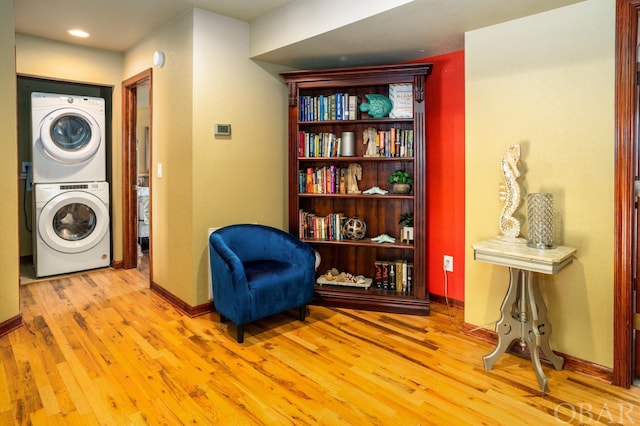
{"points": [[544, 328], [508, 327], [524, 318]]}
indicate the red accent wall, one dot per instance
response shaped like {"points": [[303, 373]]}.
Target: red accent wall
{"points": [[446, 166]]}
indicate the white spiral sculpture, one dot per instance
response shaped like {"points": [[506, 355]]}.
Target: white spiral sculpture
{"points": [[510, 193]]}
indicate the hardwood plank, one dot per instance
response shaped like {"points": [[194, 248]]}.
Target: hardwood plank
{"points": [[101, 348]]}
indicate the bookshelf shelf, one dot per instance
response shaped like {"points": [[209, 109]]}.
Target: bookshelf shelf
{"points": [[318, 199], [355, 159], [389, 196], [366, 242], [368, 121]]}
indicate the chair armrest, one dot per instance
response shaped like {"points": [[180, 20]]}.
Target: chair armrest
{"points": [[229, 283], [227, 258]]}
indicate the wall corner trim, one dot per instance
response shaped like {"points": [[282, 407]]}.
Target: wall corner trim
{"points": [[11, 324]]}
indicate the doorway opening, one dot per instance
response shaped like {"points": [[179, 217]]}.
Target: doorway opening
{"points": [[136, 163]]}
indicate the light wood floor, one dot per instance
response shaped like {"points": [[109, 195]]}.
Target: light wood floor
{"points": [[100, 348]]}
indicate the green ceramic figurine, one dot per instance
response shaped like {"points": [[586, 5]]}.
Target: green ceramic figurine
{"points": [[379, 105]]}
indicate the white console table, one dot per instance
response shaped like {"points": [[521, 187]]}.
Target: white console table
{"points": [[523, 311]]}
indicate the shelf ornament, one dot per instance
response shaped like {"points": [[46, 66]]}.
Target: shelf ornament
{"points": [[378, 106], [400, 181], [383, 238], [406, 221], [375, 190], [509, 193], [354, 174], [370, 138], [335, 277], [354, 228]]}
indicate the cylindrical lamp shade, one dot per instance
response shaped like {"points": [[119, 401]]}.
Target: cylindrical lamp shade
{"points": [[348, 147], [540, 219]]}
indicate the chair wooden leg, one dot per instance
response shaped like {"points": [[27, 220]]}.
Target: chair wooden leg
{"points": [[303, 312], [240, 333]]}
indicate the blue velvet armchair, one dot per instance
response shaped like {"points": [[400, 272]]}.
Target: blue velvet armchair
{"points": [[258, 271]]}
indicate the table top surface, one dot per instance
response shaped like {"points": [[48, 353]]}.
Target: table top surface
{"points": [[519, 254]]}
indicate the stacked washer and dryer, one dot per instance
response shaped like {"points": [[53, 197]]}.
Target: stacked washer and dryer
{"points": [[71, 195]]}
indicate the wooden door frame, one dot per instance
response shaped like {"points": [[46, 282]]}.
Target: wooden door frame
{"points": [[625, 112], [129, 172]]}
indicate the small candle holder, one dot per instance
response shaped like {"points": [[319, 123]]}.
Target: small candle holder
{"points": [[540, 219], [348, 144]]}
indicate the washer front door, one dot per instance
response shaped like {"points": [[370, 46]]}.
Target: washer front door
{"points": [[70, 136], [73, 222]]}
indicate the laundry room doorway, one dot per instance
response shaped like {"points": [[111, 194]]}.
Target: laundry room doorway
{"points": [[136, 164], [26, 85]]}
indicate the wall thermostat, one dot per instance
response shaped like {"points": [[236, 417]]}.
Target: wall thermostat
{"points": [[222, 129]]}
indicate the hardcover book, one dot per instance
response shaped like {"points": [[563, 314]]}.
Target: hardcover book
{"points": [[378, 274], [401, 96], [401, 271], [409, 278], [385, 275], [353, 107]]}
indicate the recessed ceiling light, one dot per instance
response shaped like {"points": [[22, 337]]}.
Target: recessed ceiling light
{"points": [[78, 33]]}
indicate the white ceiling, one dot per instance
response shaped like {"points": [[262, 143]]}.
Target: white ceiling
{"points": [[419, 29]]}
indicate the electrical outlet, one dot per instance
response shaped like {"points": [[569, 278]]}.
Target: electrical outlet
{"points": [[448, 263], [26, 175]]}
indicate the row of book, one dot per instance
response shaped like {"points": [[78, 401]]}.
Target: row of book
{"points": [[319, 145], [312, 227], [323, 180], [394, 275], [394, 142], [338, 106]]}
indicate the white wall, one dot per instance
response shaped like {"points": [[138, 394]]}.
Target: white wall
{"points": [[546, 82]]}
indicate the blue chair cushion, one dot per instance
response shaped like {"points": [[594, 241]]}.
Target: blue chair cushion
{"points": [[274, 286]]}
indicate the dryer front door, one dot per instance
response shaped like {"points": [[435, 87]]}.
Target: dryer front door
{"points": [[70, 136], [73, 222]]}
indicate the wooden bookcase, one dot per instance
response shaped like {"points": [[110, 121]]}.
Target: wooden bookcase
{"points": [[380, 212]]}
